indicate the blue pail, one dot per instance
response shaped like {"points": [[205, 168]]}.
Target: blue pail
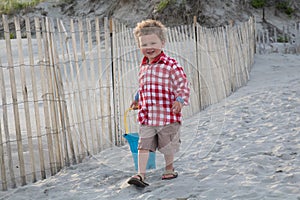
{"points": [[133, 139]]}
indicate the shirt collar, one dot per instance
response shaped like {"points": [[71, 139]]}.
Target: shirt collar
{"points": [[159, 58]]}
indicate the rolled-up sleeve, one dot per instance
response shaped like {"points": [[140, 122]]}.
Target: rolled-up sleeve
{"points": [[181, 85]]}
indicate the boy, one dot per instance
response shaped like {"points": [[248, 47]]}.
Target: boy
{"points": [[163, 90]]}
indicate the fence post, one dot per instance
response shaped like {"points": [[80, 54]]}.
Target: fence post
{"points": [[61, 107], [254, 35], [196, 37], [71, 137], [100, 137], [5, 125], [39, 29], [15, 102], [35, 99], [25, 98], [2, 158], [297, 38], [79, 112], [108, 77], [52, 94], [83, 66], [114, 83], [94, 108]]}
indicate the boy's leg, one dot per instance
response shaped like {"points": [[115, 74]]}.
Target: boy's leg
{"points": [[147, 143], [168, 144], [169, 159], [169, 169], [169, 141], [139, 179], [143, 156]]}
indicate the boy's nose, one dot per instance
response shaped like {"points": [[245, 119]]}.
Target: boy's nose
{"points": [[151, 47], [147, 48]]}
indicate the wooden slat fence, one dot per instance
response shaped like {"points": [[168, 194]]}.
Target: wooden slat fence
{"points": [[283, 40], [217, 62], [65, 86]]}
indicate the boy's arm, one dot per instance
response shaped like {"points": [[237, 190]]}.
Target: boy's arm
{"points": [[135, 103], [181, 86]]}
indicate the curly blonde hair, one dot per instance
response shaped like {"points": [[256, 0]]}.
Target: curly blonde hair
{"points": [[148, 27]]}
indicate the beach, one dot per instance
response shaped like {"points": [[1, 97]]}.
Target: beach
{"points": [[244, 147]]}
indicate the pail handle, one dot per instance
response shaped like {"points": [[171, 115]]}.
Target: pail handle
{"points": [[125, 117], [125, 120]]}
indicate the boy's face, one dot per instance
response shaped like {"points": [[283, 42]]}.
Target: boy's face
{"points": [[151, 46]]}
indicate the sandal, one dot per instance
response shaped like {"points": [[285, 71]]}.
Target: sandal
{"points": [[139, 182], [169, 174]]}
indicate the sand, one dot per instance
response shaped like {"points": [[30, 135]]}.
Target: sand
{"points": [[245, 147]]}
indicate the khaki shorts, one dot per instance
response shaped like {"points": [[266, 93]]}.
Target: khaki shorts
{"points": [[164, 138]]}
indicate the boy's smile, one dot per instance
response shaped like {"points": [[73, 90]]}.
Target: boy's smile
{"points": [[151, 46]]}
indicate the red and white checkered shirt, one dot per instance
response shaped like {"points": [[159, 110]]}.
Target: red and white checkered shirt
{"points": [[160, 83]]}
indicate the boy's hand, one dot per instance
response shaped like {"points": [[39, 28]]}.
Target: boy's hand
{"points": [[177, 106], [134, 105]]}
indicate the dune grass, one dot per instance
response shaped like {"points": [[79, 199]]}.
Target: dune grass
{"points": [[12, 6]]}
